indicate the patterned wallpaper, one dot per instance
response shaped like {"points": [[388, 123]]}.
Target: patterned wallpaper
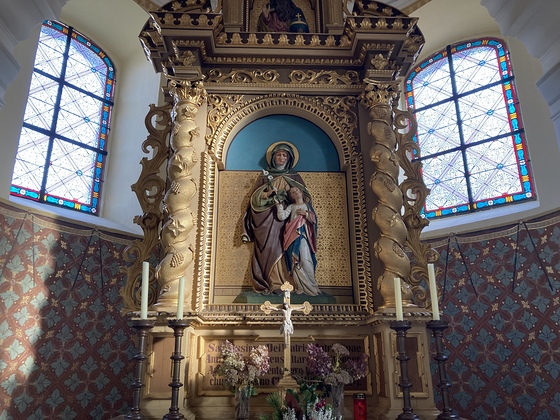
{"points": [[503, 340], [65, 348]]}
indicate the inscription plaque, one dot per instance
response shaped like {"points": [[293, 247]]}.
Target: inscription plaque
{"points": [[209, 383]]}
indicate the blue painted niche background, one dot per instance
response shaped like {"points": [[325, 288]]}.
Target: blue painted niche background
{"points": [[316, 150]]}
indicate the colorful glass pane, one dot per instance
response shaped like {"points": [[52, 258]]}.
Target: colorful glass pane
{"points": [[446, 180], [483, 115], [63, 142], [470, 135], [41, 102], [30, 160], [86, 69], [431, 82], [50, 52], [79, 116], [475, 68], [437, 129], [493, 169], [71, 172]]}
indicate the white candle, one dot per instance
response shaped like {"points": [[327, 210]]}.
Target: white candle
{"points": [[398, 299], [433, 292], [181, 298], [145, 290]]}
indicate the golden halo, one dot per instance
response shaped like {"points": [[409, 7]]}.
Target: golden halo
{"points": [[273, 145]]}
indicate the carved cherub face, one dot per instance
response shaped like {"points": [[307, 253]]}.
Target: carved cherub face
{"points": [[296, 195]]}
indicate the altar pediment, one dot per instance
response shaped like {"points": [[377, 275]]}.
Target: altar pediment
{"points": [[179, 40]]}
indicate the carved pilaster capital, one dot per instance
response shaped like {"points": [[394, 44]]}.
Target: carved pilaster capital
{"points": [[189, 91], [379, 93]]}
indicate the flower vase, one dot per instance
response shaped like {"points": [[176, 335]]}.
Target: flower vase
{"points": [[242, 399], [337, 396]]}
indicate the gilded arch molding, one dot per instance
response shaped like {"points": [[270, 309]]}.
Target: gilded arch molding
{"points": [[337, 117]]}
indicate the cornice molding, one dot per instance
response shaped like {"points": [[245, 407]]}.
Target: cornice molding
{"points": [[177, 41], [19, 18]]}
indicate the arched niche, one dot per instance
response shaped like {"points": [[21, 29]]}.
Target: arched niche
{"points": [[336, 117], [316, 149]]}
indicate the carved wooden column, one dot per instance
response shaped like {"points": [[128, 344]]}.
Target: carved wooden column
{"points": [[233, 15], [378, 98], [334, 22], [415, 192], [180, 220]]}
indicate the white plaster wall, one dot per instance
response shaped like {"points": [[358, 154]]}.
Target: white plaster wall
{"points": [[11, 114], [17, 20], [138, 89], [444, 22], [114, 26]]}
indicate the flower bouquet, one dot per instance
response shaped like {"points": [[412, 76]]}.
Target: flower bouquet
{"points": [[241, 373], [335, 371]]}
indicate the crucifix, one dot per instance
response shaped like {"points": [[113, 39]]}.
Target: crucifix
{"points": [[287, 327]]}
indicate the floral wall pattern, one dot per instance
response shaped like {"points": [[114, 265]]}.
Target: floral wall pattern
{"points": [[501, 299], [65, 347]]}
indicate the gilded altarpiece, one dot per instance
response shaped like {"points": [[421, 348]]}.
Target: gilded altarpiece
{"points": [[325, 76], [343, 262], [329, 77]]}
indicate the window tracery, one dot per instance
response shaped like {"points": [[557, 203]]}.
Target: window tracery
{"points": [[63, 142], [470, 131]]}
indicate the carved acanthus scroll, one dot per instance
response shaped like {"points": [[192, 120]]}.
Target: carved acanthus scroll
{"points": [[149, 190], [415, 192]]}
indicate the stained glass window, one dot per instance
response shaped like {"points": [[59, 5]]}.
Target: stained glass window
{"points": [[63, 141], [470, 133]]}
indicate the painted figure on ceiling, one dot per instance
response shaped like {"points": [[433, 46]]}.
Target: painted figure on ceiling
{"points": [[262, 225], [282, 16]]}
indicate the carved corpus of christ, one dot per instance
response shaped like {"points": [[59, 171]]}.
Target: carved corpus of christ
{"points": [[287, 327]]}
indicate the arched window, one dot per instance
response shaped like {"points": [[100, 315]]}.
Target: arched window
{"points": [[63, 141], [470, 132]]}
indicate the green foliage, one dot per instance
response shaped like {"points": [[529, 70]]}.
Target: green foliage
{"points": [[275, 401], [307, 395], [299, 401]]}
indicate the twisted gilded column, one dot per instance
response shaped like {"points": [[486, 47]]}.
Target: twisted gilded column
{"points": [[378, 99], [176, 205]]}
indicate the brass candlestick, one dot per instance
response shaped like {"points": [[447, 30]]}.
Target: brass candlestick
{"points": [[142, 326], [401, 327], [178, 326], [437, 328]]}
